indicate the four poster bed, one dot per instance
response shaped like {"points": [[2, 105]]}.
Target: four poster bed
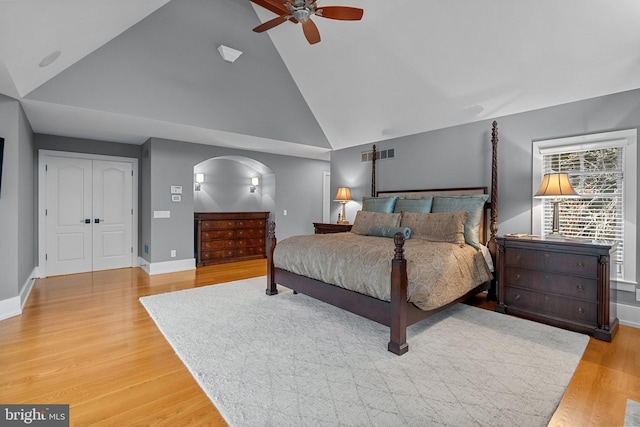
{"points": [[437, 255]]}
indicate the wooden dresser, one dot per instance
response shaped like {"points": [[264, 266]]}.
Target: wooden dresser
{"points": [[229, 236], [557, 282]]}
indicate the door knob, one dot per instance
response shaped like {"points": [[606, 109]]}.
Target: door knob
{"points": [[87, 221]]}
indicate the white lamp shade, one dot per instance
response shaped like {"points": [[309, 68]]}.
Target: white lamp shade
{"points": [[199, 178], [556, 185], [343, 194]]}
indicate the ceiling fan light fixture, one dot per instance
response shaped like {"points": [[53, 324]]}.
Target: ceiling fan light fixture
{"points": [[229, 54]]}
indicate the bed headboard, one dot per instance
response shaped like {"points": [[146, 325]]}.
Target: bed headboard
{"points": [[489, 223], [425, 194]]}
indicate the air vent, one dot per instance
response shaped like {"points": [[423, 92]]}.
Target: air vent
{"points": [[382, 155]]}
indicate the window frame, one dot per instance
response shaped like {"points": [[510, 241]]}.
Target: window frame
{"points": [[623, 138]]}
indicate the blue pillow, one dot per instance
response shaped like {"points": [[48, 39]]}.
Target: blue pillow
{"points": [[379, 204], [380, 231], [414, 205], [472, 204]]}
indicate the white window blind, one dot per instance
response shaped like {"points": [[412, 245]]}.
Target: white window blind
{"points": [[598, 174], [602, 167]]}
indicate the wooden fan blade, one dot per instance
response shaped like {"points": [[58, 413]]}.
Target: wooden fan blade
{"points": [[271, 23], [311, 32], [273, 6], [343, 13]]}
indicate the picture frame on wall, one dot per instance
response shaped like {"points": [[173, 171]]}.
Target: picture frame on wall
{"points": [[1, 158]]}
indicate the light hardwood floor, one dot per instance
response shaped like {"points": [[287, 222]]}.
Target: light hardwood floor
{"points": [[85, 340]]}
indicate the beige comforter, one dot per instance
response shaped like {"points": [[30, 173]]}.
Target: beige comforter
{"points": [[438, 273]]}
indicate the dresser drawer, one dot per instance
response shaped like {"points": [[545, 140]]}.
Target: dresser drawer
{"points": [[554, 262], [218, 244], [218, 234], [247, 243], [209, 255], [256, 250], [251, 223], [223, 224], [572, 286], [246, 233], [582, 311]]}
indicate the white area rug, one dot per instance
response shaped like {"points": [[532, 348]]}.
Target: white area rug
{"points": [[289, 360], [632, 414]]}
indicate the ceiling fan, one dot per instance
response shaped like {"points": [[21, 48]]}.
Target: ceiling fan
{"points": [[301, 11]]}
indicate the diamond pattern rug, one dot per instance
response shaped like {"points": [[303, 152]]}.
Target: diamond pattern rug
{"points": [[290, 360]]}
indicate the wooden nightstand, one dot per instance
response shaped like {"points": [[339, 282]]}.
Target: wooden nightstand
{"points": [[558, 282], [322, 228]]}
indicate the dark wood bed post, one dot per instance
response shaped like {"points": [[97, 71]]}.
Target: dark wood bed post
{"points": [[398, 333], [492, 244], [493, 228], [374, 157], [272, 289]]}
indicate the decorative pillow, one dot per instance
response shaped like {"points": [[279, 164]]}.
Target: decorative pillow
{"points": [[436, 227], [379, 204], [414, 205], [472, 204], [389, 231], [365, 220]]}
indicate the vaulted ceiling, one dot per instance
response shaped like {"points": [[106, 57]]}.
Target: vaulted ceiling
{"points": [[129, 70]]}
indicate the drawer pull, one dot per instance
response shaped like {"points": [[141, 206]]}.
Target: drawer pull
{"points": [[580, 287], [518, 297], [546, 297], [546, 254], [580, 310], [580, 264], [517, 276]]}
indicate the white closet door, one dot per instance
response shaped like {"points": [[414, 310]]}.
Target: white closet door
{"points": [[89, 215], [112, 214], [69, 218]]}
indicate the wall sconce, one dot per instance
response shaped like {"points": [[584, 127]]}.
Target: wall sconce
{"points": [[254, 184], [556, 186], [343, 196], [199, 180]]}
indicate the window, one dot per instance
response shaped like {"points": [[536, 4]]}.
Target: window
{"points": [[603, 168]]}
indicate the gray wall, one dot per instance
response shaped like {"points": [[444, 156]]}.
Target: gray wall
{"points": [[297, 183], [17, 200], [460, 156], [227, 187]]}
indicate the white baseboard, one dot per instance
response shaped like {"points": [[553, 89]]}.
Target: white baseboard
{"points": [[13, 306], [152, 268], [629, 315], [10, 307]]}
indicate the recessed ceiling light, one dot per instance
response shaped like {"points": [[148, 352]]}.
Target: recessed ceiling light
{"points": [[228, 54], [50, 59]]}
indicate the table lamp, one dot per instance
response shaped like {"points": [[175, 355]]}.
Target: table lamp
{"points": [[556, 186], [343, 196]]}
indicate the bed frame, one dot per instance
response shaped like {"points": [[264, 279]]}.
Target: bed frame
{"points": [[398, 313]]}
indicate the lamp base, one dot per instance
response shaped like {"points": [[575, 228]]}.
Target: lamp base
{"points": [[554, 236], [343, 222]]}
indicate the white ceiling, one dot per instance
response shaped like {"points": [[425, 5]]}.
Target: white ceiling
{"points": [[409, 66]]}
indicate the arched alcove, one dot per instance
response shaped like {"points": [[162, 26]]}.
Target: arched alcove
{"points": [[227, 185]]}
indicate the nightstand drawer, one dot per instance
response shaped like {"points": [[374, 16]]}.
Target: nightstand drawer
{"points": [[551, 261], [572, 286], [538, 302]]}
